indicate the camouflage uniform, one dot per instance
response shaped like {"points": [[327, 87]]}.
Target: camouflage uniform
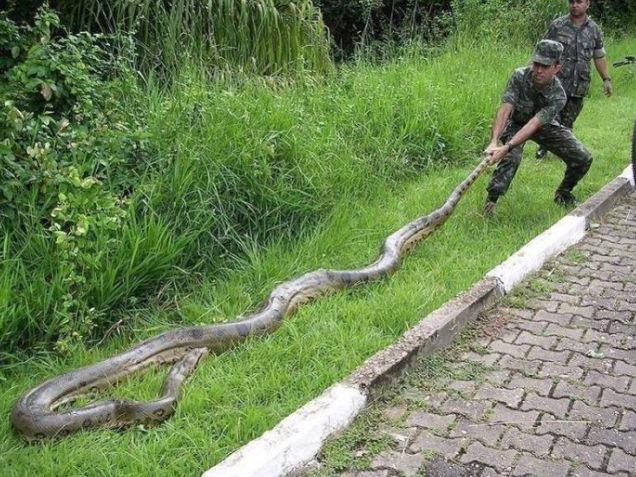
{"points": [[580, 43], [545, 103]]}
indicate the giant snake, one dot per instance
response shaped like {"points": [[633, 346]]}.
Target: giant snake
{"points": [[35, 415]]}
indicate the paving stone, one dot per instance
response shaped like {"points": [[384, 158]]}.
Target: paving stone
{"points": [[395, 413], [556, 407], [558, 318], [538, 304], [488, 472], [592, 456], [487, 359], [425, 398], [596, 415], [408, 464], [504, 415], [620, 461], [540, 386], [590, 324], [585, 362], [425, 441], [471, 409], [399, 436], [585, 311], [517, 351], [371, 473], [438, 467], [507, 336], [628, 421], [464, 387], [612, 398], [574, 300], [604, 285], [614, 340], [507, 396], [498, 377], [487, 434], [521, 441], [624, 369], [597, 302], [618, 383], [518, 313], [582, 471], [545, 342], [624, 328], [500, 460], [575, 430], [555, 370], [531, 466], [577, 346], [540, 354], [528, 325], [589, 394], [527, 367], [556, 330], [614, 315], [626, 440], [428, 420]]}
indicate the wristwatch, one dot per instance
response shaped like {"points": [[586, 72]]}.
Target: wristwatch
{"points": [[607, 79], [510, 146]]}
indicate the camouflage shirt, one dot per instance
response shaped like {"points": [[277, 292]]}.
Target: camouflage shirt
{"points": [[580, 43], [529, 100]]}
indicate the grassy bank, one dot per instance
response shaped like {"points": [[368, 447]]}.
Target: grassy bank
{"points": [[383, 119]]}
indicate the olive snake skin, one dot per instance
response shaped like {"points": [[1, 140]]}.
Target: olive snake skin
{"points": [[35, 415]]}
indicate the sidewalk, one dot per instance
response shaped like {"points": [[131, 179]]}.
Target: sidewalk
{"points": [[544, 385]]}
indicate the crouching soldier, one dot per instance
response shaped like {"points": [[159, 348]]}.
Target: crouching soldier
{"points": [[530, 105]]}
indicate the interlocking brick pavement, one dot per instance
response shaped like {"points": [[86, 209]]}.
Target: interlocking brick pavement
{"points": [[557, 392]]}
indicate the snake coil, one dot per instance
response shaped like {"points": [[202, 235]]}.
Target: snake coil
{"points": [[35, 416]]}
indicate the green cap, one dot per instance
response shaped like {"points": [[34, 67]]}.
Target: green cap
{"points": [[547, 52]]}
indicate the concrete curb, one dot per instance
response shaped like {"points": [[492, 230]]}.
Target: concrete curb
{"points": [[297, 439]]}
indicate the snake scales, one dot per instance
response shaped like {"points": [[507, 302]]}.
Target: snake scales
{"points": [[35, 416]]}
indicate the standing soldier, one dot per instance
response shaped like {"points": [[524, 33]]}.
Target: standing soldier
{"points": [[530, 105], [582, 41]]}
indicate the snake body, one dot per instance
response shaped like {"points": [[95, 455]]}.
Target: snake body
{"points": [[35, 415]]}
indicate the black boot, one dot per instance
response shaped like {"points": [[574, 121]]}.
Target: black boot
{"points": [[564, 198]]}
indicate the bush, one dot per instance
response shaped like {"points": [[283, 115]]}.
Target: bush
{"points": [[61, 204]]}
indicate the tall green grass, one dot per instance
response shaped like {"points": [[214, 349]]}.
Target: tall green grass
{"points": [[259, 36]]}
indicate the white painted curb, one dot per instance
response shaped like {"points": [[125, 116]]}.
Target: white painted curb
{"points": [[297, 438], [628, 174], [531, 257]]}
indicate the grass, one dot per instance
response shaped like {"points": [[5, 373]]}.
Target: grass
{"points": [[261, 36], [235, 397]]}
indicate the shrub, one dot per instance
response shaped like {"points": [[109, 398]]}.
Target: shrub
{"points": [[60, 210]]}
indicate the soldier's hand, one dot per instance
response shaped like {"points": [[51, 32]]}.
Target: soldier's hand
{"points": [[496, 154], [491, 147], [607, 88]]}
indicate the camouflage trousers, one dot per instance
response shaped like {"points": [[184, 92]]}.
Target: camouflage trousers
{"points": [[570, 111], [557, 139]]}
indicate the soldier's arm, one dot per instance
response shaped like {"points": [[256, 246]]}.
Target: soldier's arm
{"points": [[499, 124], [603, 71], [600, 62]]}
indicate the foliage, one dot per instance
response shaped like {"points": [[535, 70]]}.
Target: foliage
{"points": [[56, 200], [366, 21], [260, 36], [506, 21]]}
